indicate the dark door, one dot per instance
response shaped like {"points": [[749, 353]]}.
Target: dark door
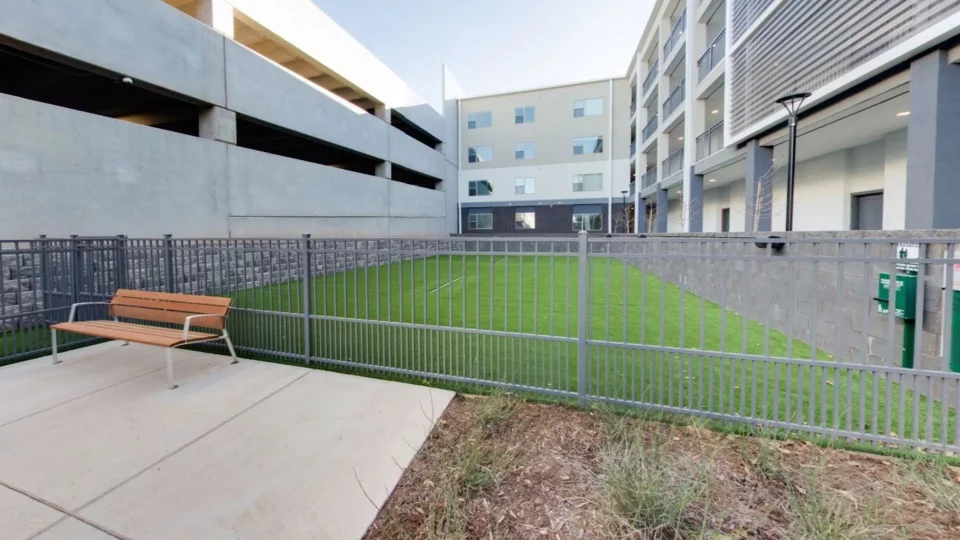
{"points": [[867, 212]]}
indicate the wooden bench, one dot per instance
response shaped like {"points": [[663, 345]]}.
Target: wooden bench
{"points": [[180, 309]]}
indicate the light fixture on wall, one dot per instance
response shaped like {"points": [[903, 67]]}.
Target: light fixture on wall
{"points": [[712, 180], [715, 111], [904, 113], [679, 138]]}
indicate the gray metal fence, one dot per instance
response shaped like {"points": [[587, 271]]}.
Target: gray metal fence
{"points": [[787, 336]]}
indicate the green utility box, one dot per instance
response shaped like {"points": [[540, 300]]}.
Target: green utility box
{"points": [[905, 299]]}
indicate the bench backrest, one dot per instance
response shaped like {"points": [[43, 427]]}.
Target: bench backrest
{"points": [[169, 307]]}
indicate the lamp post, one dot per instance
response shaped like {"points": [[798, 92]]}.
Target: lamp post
{"points": [[792, 104], [626, 215]]}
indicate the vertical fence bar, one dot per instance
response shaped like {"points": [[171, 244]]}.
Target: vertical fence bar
{"points": [[307, 294], [582, 322], [46, 287], [76, 269], [168, 261], [120, 262]]}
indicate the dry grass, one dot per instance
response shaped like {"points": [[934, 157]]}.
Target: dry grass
{"points": [[502, 468]]}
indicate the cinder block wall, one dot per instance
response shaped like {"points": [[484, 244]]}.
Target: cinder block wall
{"points": [[826, 302]]}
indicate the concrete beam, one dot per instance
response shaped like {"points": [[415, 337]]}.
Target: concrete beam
{"points": [[640, 216], [384, 169], [218, 124], [217, 14], [933, 137], [693, 199], [758, 188], [382, 112]]}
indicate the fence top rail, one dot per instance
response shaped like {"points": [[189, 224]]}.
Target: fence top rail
{"points": [[649, 239]]}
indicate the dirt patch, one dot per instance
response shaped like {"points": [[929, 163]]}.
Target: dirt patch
{"points": [[502, 468]]}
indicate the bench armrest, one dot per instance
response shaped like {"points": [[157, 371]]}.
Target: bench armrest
{"points": [[73, 308], [189, 319]]}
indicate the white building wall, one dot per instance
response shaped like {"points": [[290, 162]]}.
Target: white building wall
{"points": [[895, 180], [553, 182]]}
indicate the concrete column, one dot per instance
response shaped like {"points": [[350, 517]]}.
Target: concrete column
{"points": [[383, 112], [218, 124], [758, 188], [663, 208], [640, 216], [385, 169], [933, 140], [693, 197], [217, 14]]}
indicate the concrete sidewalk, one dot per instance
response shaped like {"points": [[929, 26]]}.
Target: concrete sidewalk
{"points": [[97, 447]]}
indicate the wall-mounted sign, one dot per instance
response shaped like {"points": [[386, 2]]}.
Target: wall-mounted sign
{"points": [[908, 250]]}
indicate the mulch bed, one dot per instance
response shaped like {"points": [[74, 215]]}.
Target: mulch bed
{"points": [[553, 486]]}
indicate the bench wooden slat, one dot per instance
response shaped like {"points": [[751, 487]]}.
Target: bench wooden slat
{"points": [[122, 331], [168, 305], [159, 315], [175, 297]]}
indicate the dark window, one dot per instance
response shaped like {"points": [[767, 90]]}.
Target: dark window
{"points": [[587, 217], [867, 212], [479, 187], [480, 219], [725, 220], [526, 218]]}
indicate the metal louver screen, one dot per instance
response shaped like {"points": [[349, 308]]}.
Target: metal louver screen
{"points": [[807, 44], [744, 13]]}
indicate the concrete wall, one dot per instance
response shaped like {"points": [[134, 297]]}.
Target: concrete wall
{"points": [[146, 40], [66, 172]]}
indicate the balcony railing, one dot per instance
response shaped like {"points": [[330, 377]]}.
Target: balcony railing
{"points": [[649, 178], [633, 107], [710, 141], [714, 53], [650, 128], [674, 99], [633, 148], [675, 34], [673, 164], [651, 76], [633, 189]]}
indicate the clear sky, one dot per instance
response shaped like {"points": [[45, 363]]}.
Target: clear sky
{"points": [[495, 45]]}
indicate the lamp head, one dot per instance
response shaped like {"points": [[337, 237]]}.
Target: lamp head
{"points": [[793, 102]]}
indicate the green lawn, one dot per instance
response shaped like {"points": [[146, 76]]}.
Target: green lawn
{"points": [[537, 296]]}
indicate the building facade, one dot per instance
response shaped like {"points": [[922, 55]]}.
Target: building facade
{"points": [[548, 160], [706, 140], [212, 118]]}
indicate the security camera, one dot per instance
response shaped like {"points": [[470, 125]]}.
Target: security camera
{"points": [[126, 80]]}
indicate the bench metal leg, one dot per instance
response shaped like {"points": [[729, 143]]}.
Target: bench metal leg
{"points": [[233, 353], [53, 345], [170, 368]]}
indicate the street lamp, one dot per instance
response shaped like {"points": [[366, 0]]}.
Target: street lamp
{"points": [[626, 224], [792, 104]]}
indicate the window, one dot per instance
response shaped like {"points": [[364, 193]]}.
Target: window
{"points": [[587, 107], [526, 218], [523, 115], [479, 187], [588, 182], [479, 154], [525, 186], [524, 150], [480, 219], [479, 120], [587, 217], [588, 145], [725, 220]]}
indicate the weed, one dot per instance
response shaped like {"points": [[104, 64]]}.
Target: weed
{"points": [[934, 480], [646, 489], [495, 410], [818, 516]]}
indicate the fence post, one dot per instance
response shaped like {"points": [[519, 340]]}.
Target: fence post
{"points": [[76, 268], [45, 277], [582, 323], [120, 262], [307, 277], [168, 261]]}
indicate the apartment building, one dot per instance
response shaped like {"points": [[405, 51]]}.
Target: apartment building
{"points": [[877, 137], [212, 118], [548, 160]]}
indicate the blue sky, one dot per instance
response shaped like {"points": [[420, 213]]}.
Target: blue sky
{"points": [[495, 45]]}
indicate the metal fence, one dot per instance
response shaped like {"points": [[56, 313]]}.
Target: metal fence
{"points": [[785, 336]]}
